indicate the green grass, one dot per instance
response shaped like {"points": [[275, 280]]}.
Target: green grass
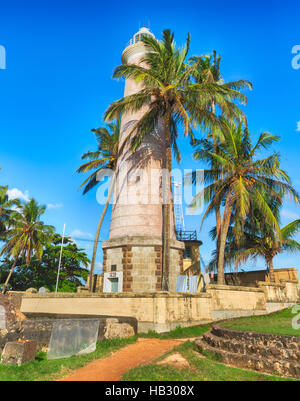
{"points": [[42, 369], [202, 369], [276, 323], [179, 332]]}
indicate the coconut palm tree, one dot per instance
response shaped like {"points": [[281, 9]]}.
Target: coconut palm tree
{"points": [[171, 96], [208, 70], [104, 158], [243, 184], [6, 208], [27, 235], [260, 242], [268, 244]]}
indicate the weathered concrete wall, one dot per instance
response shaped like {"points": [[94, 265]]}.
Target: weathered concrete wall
{"points": [[157, 311], [292, 290], [280, 296], [39, 328], [163, 311], [273, 292], [232, 301]]}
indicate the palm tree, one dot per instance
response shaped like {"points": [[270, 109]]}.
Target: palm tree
{"points": [[104, 158], [171, 96], [27, 236], [6, 208], [243, 183], [208, 70], [268, 244]]}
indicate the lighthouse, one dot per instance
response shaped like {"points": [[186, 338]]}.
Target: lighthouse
{"points": [[132, 257]]}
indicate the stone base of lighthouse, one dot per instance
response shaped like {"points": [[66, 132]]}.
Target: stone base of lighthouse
{"points": [[134, 264]]}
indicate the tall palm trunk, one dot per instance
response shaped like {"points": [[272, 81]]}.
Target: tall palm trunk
{"points": [[166, 208], [223, 237], [217, 208], [9, 275], [218, 225], [110, 191], [271, 270]]}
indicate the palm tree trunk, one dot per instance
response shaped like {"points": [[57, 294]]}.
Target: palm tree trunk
{"points": [[9, 275], [271, 271], [98, 233], [217, 208], [166, 207], [223, 238], [218, 226]]}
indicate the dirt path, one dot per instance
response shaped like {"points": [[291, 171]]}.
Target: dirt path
{"points": [[113, 367]]}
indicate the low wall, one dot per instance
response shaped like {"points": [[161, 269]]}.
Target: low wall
{"points": [[164, 311], [273, 292], [232, 301], [292, 290], [269, 353], [39, 328], [154, 311], [280, 296]]}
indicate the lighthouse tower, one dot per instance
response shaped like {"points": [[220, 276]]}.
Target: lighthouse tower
{"points": [[132, 257]]}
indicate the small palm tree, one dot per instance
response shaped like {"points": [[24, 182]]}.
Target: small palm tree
{"points": [[27, 235], [243, 183], [268, 244], [6, 209], [171, 96], [105, 157]]}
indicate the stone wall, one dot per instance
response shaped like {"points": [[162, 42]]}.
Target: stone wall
{"points": [[279, 296], [270, 353], [153, 311], [39, 327], [273, 292], [137, 262], [292, 290], [232, 301], [9, 318], [163, 311]]}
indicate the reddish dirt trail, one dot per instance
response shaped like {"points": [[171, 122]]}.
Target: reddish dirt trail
{"points": [[112, 368]]}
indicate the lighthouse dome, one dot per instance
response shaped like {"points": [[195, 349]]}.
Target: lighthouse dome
{"points": [[136, 46], [140, 34]]}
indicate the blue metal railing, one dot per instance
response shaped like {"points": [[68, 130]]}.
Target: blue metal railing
{"points": [[183, 235]]}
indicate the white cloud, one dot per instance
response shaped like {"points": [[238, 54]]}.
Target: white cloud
{"points": [[298, 126], [78, 233], [15, 193], [288, 214], [54, 205]]}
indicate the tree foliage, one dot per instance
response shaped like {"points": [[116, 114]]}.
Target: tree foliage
{"points": [[43, 273]]}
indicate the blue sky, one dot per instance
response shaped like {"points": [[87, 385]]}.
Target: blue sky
{"points": [[60, 56]]}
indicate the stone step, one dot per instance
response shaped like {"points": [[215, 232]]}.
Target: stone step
{"points": [[259, 350], [284, 342], [260, 364]]}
